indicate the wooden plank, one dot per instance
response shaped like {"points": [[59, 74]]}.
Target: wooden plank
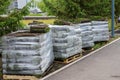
{"points": [[73, 58], [70, 59], [17, 77]]}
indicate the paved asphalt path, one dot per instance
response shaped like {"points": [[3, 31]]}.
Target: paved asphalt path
{"points": [[103, 65]]}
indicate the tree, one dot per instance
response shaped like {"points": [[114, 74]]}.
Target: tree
{"points": [[93, 8], [117, 9], [42, 7], [73, 9], [4, 6], [12, 21], [64, 9], [100, 8]]}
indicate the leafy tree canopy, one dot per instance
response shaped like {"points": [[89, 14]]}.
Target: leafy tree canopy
{"points": [[12, 21], [4, 6], [63, 9], [93, 8], [72, 9]]}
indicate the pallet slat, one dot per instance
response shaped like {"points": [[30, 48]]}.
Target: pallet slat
{"points": [[16, 77], [70, 59]]}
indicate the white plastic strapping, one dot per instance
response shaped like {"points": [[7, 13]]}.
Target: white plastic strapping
{"points": [[66, 42], [27, 55], [86, 34], [100, 30]]}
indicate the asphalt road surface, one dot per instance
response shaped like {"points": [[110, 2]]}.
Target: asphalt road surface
{"points": [[103, 65]]}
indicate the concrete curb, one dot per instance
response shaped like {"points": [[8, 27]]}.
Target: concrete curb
{"points": [[78, 60]]}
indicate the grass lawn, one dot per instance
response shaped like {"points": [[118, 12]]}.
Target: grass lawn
{"points": [[117, 26], [46, 21]]}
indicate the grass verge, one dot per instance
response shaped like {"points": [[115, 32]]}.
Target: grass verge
{"points": [[46, 21]]}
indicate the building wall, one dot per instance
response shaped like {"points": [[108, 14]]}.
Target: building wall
{"points": [[19, 4], [22, 3], [12, 5]]}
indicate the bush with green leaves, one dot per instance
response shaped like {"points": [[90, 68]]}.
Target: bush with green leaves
{"points": [[11, 22], [66, 10], [70, 10]]}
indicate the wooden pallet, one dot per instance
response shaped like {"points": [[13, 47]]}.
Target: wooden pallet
{"points": [[16, 77], [69, 59]]}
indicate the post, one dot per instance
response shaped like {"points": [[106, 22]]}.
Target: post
{"points": [[113, 14]]}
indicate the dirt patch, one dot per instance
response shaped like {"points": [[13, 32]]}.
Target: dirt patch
{"points": [[22, 34], [55, 66]]}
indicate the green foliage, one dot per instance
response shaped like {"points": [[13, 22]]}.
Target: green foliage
{"points": [[47, 29], [4, 6], [70, 10], [93, 8], [63, 9], [12, 21], [61, 22], [42, 6], [99, 44], [117, 8]]}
